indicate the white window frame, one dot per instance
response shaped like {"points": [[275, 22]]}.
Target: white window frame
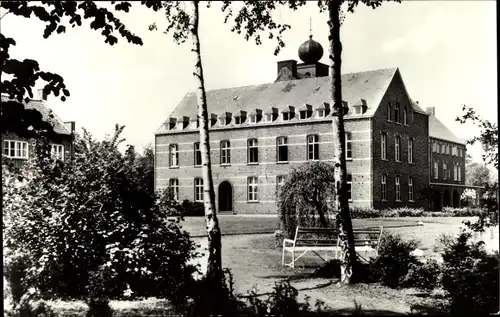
{"points": [[321, 113], [312, 147], [303, 115], [349, 186], [286, 116], [383, 187], [436, 169], [445, 172], [174, 155], [225, 152], [410, 189], [198, 189], [174, 184], [253, 119], [281, 141], [397, 115], [459, 171], [269, 117], [348, 145], [57, 151], [253, 188], [253, 145], [16, 149], [397, 148], [280, 182], [397, 183], [383, 146], [197, 153], [410, 150]]}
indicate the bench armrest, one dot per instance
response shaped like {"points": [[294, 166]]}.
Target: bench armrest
{"points": [[285, 241]]}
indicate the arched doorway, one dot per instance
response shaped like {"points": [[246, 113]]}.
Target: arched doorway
{"points": [[225, 197], [456, 198]]}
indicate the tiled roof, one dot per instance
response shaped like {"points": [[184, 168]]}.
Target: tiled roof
{"points": [[439, 131], [47, 114], [369, 85]]}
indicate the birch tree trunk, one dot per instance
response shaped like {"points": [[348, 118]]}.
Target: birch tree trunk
{"points": [[344, 223], [214, 266]]}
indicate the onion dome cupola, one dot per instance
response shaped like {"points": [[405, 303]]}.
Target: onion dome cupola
{"points": [[310, 51]]}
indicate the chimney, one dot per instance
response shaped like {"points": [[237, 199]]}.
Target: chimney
{"points": [[431, 111], [42, 95], [283, 66], [70, 125]]}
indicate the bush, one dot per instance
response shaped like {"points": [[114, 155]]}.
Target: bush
{"points": [[193, 208], [394, 260], [464, 211], [470, 276], [363, 213], [424, 276], [306, 197], [30, 308], [15, 269]]}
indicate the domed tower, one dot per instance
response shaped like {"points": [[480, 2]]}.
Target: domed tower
{"points": [[310, 52]]}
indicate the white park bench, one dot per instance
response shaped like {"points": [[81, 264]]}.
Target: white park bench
{"points": [[325, 240]]}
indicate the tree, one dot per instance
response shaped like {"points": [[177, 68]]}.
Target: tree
{"points": [[306, 196], [255, 17], [90, 224], [19, 77]]}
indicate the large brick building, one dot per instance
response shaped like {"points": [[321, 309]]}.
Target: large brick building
{"points": [[259, 133], [18, 149]]}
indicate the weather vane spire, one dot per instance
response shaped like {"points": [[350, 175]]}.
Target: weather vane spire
{"points": [[310, 28]]}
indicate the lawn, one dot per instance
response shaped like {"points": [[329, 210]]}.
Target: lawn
{"points": [[255, 260]]}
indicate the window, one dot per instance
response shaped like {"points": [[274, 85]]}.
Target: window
{"points": [[349, 186], [282, 149], [197, 154], [455, 173], [444, 170], [405, 116], [174, 155], [253, 189], [397, 150], [383, 188], [396, 113], [303, 115], [253, 151], [312, 147], [253, 118], [321, 113], [222, 121], [15, 149], [225, 152], [436, 169], [198, 189], [239, 119], [174, 184], [398, 188], [287, 116], [57, 151], [410, 188], [348, 145], [410, 150], [389, 110], [280, 182], [269, 117], [459, 171], [383, 146], [440, 148]]}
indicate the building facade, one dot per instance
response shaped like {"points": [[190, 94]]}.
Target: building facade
{"points": [[258, 134], [18, 149]]}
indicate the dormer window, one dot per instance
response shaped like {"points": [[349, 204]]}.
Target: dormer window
{"points": [[213, 119], [172, 122], [322, 110], [255, 116], [239, 120], [269, 117], [288, 113], [321, 113], [224, 119], [360, 107], [253, 119], [305, 112], [240, 117]]}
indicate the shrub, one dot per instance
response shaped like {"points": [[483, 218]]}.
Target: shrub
{"points": [[363, 213], [470, 276], [193, 208], [409, 212], [29, 308], [394, 260], [15, 269], [306, 197], [464, 211], [424, 276]]}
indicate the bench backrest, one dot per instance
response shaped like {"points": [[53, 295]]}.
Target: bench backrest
{"points": [[319, 236], [315, 236], [370, 236]]}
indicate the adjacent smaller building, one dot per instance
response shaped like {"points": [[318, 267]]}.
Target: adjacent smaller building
{"points": [[18, 149]]}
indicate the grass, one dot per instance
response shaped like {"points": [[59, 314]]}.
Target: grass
{"points": [[255, 260]]}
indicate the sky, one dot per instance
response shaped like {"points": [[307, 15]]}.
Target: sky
{"points": [[445, 50]]}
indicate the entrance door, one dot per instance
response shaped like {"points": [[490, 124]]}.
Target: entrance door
{"points": [[225, 197]]}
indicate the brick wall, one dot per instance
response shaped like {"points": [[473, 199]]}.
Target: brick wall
{"points": [[417, 129], [267, 169]]}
